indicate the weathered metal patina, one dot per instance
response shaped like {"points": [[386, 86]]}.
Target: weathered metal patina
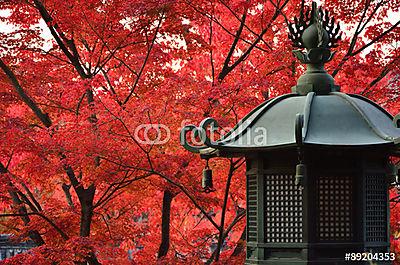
{"points": [[317, 185]]}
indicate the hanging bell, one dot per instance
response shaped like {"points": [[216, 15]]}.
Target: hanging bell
{"points": [[206, 182], [392, 172], [301, 174]]}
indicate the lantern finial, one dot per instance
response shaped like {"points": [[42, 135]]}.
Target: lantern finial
{"points": [[315, 31]]}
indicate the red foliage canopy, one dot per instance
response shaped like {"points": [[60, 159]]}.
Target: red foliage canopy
{"points": [[80, 78]]}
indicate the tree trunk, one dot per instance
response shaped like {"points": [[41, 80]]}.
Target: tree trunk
{"points": [[165, 223], [86, 197]]}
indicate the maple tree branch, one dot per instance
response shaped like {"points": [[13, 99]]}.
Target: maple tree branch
{"points": [[107, 225], [211, 17], [385, 71], [57, 106], [204, 239], [353, 41], [360, 28], [58, 229], [111, 86], [78, 105], [29, 199], [232, 168], [112, 52], [382, 75], [222, 222], [395, 199], [124, 165], [114, 187], [55, 56], [358, 31], [26, 200], [150, 48], [245, 25], [225, 66], [236, 220], [377, 38], [240, 245], [102, 62], [211, 53], [226, 70], [186, 192], [43, 117], [32, 197], [132, 137], [9, 160], [66, 188], [238, 217], [33, 234], [378, 5], [66, 45]]}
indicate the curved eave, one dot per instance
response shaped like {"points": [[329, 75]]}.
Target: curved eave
{"points": [[231, 151], [367, 125], [291, 145]]}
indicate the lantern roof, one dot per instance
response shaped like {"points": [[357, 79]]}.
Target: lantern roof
{"points": [[332, 120], [315, 114]]}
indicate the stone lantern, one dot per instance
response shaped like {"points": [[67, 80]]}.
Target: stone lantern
{"points": [[317, 162]]}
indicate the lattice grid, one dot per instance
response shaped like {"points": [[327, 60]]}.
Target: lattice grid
{"points": [[283, 210], [335, 208], [376, 209], [252, 208]]}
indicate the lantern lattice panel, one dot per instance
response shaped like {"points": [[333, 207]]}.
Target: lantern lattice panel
{"points": [[335, 208], [252, 208], [376, 209], [283, 210]]}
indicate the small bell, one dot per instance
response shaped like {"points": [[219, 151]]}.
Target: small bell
{"points": [[206, 182], [392, 177], [301, 174]]}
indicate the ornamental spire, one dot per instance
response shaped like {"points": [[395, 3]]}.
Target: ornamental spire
{"points": [[316, 32]]}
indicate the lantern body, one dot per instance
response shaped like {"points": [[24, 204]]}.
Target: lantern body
{"points": [[342, 208], [317, 187]]}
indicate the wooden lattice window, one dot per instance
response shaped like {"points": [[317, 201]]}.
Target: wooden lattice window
{"points": [[376, 208], [335, 208], [251, 208], [283, 210]]}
